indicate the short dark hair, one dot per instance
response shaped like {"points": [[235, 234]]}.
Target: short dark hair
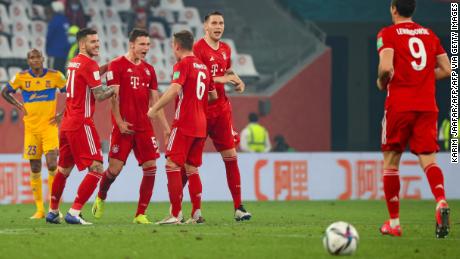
{"points": [[136, 33], [206, 18], [405, 8], [253, 117], [81, 34], [184, 38]]}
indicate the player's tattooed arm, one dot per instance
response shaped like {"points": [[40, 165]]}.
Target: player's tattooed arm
{"points": [[123, 125], [385, 69], [101, 93], [443, 69], [7, 95], [168, 96], [154, 97]]}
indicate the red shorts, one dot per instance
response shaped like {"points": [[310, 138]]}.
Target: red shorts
{"points": [[419, 129], [79, 147], [143, 143], [183, 149], [220, 130]]}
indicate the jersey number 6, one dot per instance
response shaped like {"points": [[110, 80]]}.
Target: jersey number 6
{"points": [[200, 86]]}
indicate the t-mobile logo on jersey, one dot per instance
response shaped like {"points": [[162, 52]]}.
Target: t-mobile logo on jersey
{"points": [[214, 69], [134, 82]]}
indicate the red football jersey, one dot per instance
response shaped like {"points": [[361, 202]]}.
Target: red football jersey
{"points": [[412, 87], [136, 82], [192, 101], [218, 62], [82, 76]]}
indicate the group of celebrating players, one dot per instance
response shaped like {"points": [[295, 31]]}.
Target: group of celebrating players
{"points": [[411, 60], [199, 76]]}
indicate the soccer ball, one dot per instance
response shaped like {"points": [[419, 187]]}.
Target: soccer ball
{"points": [[340, 238]]}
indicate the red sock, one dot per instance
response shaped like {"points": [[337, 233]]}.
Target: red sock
{"points": [[391, 188], [56, 191], [146, 189], [174, 189], [436, 181], [233, 179], [195, 188], [86, 189], [107, 179]]}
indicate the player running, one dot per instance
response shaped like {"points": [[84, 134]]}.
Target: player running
{"points": [[216, 55], [79, 142], [38, 89], [190, 85], [411, 60], [136, 89]]}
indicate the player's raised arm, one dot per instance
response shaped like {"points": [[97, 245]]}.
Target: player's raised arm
{"points": [[154, 98], [168, 96], [444, 69], [385, 70]]}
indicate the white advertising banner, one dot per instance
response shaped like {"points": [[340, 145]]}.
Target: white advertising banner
{"points": [[272, 176]]}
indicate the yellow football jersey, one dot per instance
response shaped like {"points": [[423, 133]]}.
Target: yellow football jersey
{"points": [[39, 96]]}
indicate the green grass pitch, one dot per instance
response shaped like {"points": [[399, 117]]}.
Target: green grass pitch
{"points": [[277, 230]]}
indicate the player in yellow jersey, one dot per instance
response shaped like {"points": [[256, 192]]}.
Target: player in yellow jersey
{"points": [[38, 88]]}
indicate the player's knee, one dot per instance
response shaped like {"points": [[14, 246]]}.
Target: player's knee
{"points": [[171, 165], [52, 165], [65, 171], [190, 169], [150, 163], [228, 153], [96, 167], [35, 166]]}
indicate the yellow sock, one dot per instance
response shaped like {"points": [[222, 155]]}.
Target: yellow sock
{"points": [[36, 184], [51, 175]]}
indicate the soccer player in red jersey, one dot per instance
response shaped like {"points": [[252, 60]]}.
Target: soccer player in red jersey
{"points": [[190, 85], [136, 89], [411, 60], [217, 57], [78, 139]]}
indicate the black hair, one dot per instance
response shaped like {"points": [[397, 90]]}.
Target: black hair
{"points": [[136, 33], [253, 117], [206, 18], [81, 34], [405, 8]]}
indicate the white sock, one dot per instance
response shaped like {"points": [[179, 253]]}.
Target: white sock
{"points": [[394, 222], [54, 211], [74, 212], [440, 202]]}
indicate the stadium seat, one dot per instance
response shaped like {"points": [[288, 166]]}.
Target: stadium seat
{"points": [[12, 71], [156, 30], [111, 15], [243, 65], [4, 27], [5, 50], [38, 42], [18, 11], [179, 27], [170, 59], [19, 46], [113, 29], [21, 27], [122, 5], [163, 76], [37, 12], [155, 47], [155, 60], [115, 48], [4, 17], [98, 3], [95, 14], [3, 76], [38, 28], [99, 28], [232, 46], [190, 16], [164, 13], [174, 5]]}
